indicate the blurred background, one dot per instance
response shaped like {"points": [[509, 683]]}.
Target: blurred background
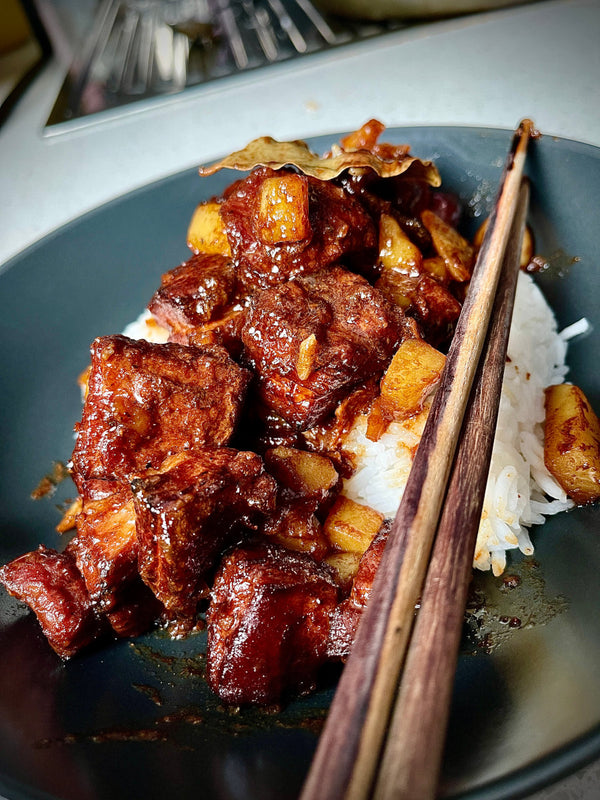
{"points": [[120, 51]]}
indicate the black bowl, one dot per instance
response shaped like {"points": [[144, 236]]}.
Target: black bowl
{"points": [[136, 719]]}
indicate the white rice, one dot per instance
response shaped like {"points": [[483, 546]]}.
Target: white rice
{"points": [[146, 327], [520, 491]]}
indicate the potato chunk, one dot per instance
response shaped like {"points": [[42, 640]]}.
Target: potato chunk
{"points": [[411, 376], [350, 526], [283, 210], [572, 442], [527, 246], [345, 566], [436, 267], [396, 251], [206, 233], [398, 288], [414, 370], [457, 253], [307, 474]]}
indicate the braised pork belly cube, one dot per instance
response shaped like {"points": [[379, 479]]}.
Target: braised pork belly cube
{"points": [[312, 339], [135, 611], [280, 224], [121, 596], [426, 298], [146, 401], [436, 309], [224, 331], [105, 547], [268, 624], [186, 513], [51, 585], [106, 552], [192, 294]]}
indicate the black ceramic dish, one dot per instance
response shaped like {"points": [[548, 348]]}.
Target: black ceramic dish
{"points": [[136, 719]]}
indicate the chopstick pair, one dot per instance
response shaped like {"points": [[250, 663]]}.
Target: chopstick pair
{"points": [[411, 759], [382, 738]]}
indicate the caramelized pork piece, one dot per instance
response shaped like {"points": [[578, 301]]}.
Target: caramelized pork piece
{"points": [[106, 552], [51, 585], [312, 339], [436, 309], [224, 331], [425, 298], [345, 619], [280, 224], [185, 514], [136, 610], [105, 547], [192, 294], [268, 624], [146, 401]]}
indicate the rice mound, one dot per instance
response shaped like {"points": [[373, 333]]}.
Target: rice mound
{"points": [[520, 491]]}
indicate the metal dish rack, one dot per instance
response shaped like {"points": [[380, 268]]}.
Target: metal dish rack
{"points": [[139, 49]]}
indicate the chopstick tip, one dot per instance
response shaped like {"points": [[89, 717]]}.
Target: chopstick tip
{"points": [[527, 128]]}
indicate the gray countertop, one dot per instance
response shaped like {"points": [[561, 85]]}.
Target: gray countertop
{"points": [[540, 60]]}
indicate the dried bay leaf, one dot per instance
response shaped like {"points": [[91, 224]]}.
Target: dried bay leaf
{"points": [[268, 152]]}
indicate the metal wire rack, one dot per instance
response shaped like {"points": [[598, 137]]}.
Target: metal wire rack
{"points": [[144, 48]]}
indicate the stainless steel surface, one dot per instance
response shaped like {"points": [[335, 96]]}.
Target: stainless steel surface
{"points": [[139, 49]]}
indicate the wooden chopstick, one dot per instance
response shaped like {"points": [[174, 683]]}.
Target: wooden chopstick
{"points": [[349, 750], [414, 746]]}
